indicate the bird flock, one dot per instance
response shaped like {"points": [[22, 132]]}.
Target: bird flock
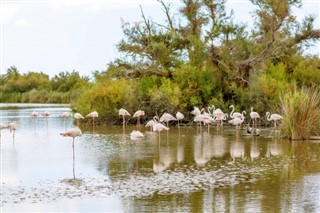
{"points": [[205, 117]]}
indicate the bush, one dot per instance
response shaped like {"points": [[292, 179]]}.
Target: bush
{"points": [[301, 110]]}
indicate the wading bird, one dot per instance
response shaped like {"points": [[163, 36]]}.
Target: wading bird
{"points": [[274, 118], [166, 117], [123, 113], [152, 122], [92, 115], [159, 127], [74, 132], [254, 116], [136, 135], [78, 116], [137, 115], [179, 116]]}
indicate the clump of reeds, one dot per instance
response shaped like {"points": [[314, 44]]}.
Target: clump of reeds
{"points": [[301, 108]]}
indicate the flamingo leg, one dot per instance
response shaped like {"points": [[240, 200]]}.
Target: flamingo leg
{"points": [[73, 170]]}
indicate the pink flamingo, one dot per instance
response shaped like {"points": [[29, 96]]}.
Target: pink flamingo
{"points": [[137, 115], [78, 116], [166, 117], [92, 115], [254, 116], [274, 118], [179, 116], [123, 113], [74, 132]]}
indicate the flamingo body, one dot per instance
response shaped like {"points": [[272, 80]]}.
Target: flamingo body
{"points": [[135, 135], [158, 127], [78, 116]]}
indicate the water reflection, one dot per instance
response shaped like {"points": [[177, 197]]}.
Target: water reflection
{"points": [[202, 148], [237, 148], [254, 148], [187, 171]]}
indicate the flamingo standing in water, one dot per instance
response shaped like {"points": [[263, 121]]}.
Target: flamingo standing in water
{"points": [[92, 115], [123, 113], [78, 116], [237, 122], [274, 118], [159, 127], [254, 116], [137, 115], [179, 116], [152, 122], [3, 126], [166, 117], [34, 114], [74, 132]]}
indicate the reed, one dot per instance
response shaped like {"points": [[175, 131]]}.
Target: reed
{"points": [[301, 109]]}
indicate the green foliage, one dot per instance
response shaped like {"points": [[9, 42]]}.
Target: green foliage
{"points": [[106, 97], [165, 97], [65, 81], [301, 110], [272, 83], [36, 87]]}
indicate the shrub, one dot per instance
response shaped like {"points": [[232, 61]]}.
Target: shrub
{"points": [[301, 110]]}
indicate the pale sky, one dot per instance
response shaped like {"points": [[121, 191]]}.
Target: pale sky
{"points": [[64, 35]]}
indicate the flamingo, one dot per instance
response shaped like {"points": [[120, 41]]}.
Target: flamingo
{"points": [[123, 113], [254, 116], [236, 114], [196, 111], [152, 122], [179, 116], [3, 126], [158, 127], [12, 127], [137, 115], [236, 121], [93, 115], [166, 117], [78, 116], [136, 135], [46, 114], [34, 114], [74, 132], [274, 118]]}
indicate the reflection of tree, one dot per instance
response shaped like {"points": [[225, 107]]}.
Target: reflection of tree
{"points": [[237, 148], [202, 148]]}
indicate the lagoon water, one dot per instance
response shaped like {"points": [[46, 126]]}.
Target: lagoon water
{"points": [[185, 170]]}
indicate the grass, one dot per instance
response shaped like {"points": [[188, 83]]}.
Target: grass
{"points": [[301, 108]]}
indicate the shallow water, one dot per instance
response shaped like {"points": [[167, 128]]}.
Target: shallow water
{"points": [[185, 170]]}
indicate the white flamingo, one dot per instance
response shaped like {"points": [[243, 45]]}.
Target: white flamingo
{"points": [[166, 117], [93, 115], [152, 122], [123, 113], [78, 116], [137, 115], [74, 132], [136, 135], [274, 118], [237, 122], [254, 116], [179, 116], [236, 114], [159, 127]]}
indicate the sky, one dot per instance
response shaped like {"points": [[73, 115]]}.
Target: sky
{"points": [[52, 36]]}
